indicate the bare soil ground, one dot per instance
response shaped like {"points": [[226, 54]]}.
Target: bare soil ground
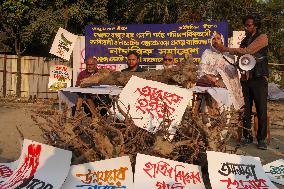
{"points": [[18, 115]]}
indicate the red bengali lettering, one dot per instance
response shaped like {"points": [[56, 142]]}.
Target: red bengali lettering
{"points": [[164, 185], [157, 103], [165, 169], [27, 169], [246, 184], [150, 167], [5, 171]]}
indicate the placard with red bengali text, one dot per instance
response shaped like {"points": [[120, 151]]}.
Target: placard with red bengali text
{"points": [[159, 173], [40, 166], [152, 103], [59, 77], [231, 171]]}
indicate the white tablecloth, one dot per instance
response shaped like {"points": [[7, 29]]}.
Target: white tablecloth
{"points": [[70, 95], [221, 95]]}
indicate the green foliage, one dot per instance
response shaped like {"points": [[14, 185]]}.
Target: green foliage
{"points": [[31, 22], [276, 76], [273, 14]]}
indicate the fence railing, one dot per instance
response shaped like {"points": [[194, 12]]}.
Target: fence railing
{"points": [[34, 73]]}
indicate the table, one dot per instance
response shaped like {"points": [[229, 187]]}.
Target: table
{"points": [[70, 95]]}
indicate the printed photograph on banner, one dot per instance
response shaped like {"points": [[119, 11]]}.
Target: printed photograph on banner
{"points": [[236, 172], [159, 173], [152, 103], [59, 77], [38, 166], [63, 44], [115, 173], [275, 171]]}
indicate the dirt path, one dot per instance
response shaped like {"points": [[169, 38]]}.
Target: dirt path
{"points": [[276, 148], [14, 115]]}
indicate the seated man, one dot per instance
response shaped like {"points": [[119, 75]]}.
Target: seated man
{"points": [[91, 69], [132, 62], [92, 100], [168, 61]]}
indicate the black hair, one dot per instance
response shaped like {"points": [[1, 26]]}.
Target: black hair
{"points": [[256, 19], [90, 57], [134, 53]]}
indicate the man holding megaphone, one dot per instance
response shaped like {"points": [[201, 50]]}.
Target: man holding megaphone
{"points": [[254, 77]]}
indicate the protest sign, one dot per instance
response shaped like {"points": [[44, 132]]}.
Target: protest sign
{"points": [[78, 58], [113, 173], [154, 172], [7, 169], [275, 171], [238, 36], [39, 166], [63, 44], [236, 172], [153, 103], [60, 77], [111, 43]]}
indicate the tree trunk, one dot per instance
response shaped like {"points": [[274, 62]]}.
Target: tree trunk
{"points": [[19, 76], [5, 76]]}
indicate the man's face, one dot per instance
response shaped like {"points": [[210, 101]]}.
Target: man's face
{"points": [[168, 60], [91, 65], [249, 26], [132, 60], [217, 39]]}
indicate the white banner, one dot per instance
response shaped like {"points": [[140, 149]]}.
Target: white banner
{"points": [[59, 77], [113, 173], [63, 44], [151, 102], [39, 166], [275, 171], [154, 172], [78, 58], [236, 171]]}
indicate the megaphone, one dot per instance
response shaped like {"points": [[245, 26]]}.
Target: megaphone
{"points": [[247, 62]]}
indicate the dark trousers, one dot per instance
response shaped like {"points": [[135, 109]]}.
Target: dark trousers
{"points": [[255, 90]]}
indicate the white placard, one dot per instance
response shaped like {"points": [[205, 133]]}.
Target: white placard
{"points": [[63, 44], [113, 173], [275, 171], [238, 36], [79, 60], [151, 102], [59, 77], [7, 169], [157, 173], [40, 166], [236, 171], [78, 57]]}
